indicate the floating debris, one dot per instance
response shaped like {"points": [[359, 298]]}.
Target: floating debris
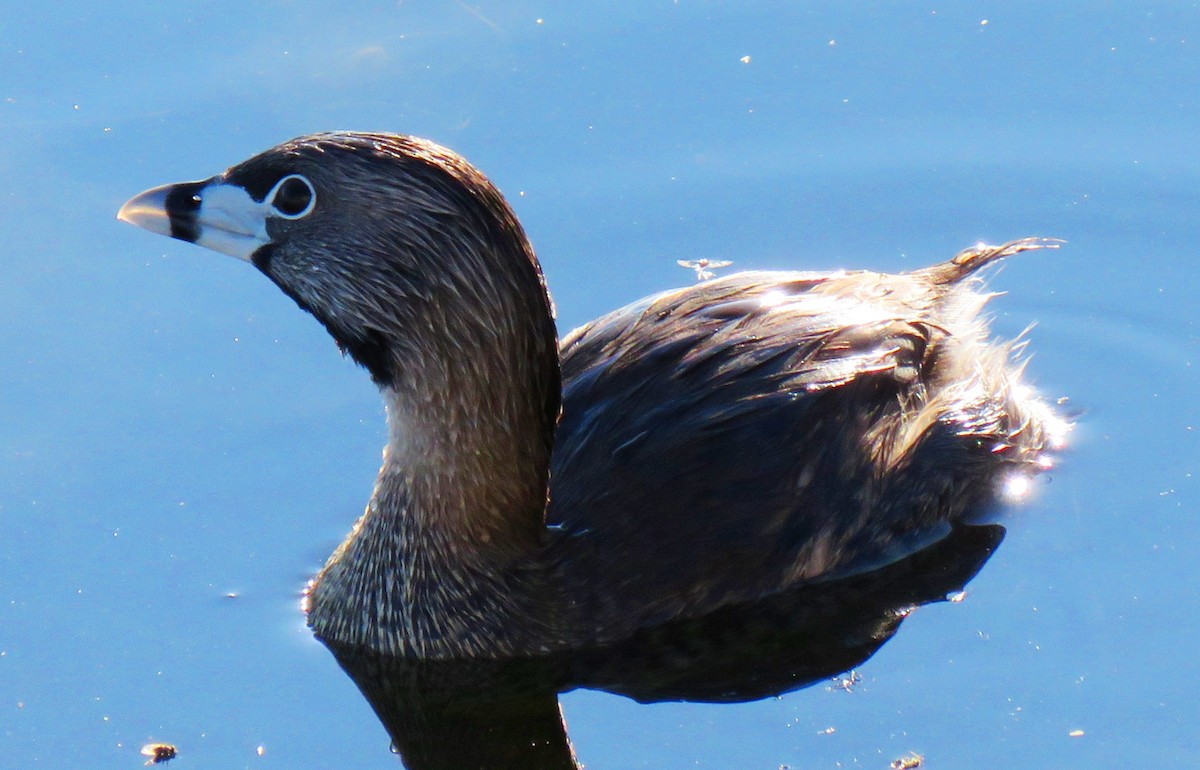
{"points": [[704, 267], [1076, 734], [846, 683], [827, 731], [912, 760], [159, 752]]}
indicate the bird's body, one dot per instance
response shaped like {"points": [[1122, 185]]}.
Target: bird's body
{"points": [[716, 443], [756, 431]]}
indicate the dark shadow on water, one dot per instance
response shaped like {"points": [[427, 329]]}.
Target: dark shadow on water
{"points": [[505, 714]]}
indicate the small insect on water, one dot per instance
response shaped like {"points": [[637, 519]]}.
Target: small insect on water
{"points": [[704, 267], [909, 762], [158, 752]]}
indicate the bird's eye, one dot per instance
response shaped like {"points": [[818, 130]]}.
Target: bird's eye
{"points": [[293, 196]]}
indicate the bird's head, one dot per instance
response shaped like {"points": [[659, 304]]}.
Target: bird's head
{"points": [[391, 242]]}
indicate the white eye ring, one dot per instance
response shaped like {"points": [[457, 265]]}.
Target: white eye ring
{"points": [[290, 200]]}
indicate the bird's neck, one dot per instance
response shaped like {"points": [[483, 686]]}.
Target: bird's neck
{"points": [[446, 560], [468, 457]]}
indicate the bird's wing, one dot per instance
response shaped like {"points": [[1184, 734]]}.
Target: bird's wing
{"points": [[733, 422]]}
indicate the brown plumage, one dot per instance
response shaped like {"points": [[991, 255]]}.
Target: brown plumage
{"points": [[716, 443]]}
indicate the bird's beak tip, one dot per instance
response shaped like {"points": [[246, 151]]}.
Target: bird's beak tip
{"points": [[125, 212], [148, 211]]}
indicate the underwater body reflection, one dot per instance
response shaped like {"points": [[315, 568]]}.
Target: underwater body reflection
{"points": [[483, 714]]}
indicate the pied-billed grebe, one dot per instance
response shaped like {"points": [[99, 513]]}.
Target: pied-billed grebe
{"points": [[716, 442]]}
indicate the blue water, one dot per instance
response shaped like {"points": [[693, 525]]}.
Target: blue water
{"points": [[174, 430]]}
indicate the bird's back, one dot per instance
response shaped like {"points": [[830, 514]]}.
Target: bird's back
{"points": [[732, 438]]}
